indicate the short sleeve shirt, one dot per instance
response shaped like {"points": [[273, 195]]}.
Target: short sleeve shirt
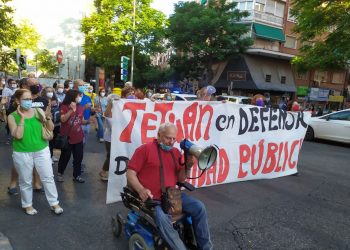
{"points": [[145, 162], [72, 127], [87, 112], [40, 102]]}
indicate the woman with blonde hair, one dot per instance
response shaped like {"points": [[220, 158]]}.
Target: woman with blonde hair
{"points": [[29, 149]]}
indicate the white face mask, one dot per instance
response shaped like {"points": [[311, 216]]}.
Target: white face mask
{"points": [[78, 100], [60, 90], [14, 86], [3, 82], [71, 86], [49, 94], [103, 94]]}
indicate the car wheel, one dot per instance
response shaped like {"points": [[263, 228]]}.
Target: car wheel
{"points": [[137, 242], [310, 135], [116, 226]]}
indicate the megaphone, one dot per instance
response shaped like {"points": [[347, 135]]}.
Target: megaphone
{"points": [[205, 156]]}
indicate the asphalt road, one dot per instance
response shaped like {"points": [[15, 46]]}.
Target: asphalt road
{"points": [[307, 212]]}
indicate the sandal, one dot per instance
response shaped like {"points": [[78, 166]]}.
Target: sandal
{"points": [[57, 210], [33, 211]]}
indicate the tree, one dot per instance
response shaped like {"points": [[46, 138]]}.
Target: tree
{"points": [[47, 62], [9, 30], [204, 35], [109, 32], [324, 29], [28, 37]]}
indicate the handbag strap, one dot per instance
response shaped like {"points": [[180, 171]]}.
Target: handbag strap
{"points": [[161, 169]]}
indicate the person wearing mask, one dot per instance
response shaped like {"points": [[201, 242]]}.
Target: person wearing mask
{"points": [[168, 97], [23, 83], [49, 94], [206, 93], [30, 149], [107, 135], [38, 100], [128, 92], [86, 103], [72, 116], [282, 104], [60, 93], [258, 100], [9, 90], [268, 103], [100, 108], [67, 85]]}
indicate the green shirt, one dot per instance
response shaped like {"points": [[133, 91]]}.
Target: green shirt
{"points": [[32, 140]]}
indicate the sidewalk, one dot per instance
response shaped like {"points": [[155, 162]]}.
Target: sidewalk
{"points": [[86, 221], [4, 242]]}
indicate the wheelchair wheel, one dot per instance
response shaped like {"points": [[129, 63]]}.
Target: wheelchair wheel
{"points": [[137, 242], [116, 226]]}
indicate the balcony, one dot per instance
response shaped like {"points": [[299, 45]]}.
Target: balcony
{"points": [[264, 17]]}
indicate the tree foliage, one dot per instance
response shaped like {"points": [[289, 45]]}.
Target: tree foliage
{"points": [[326, 24], [28, 37], [109, 32], [9, 30], [47, 62], [203, 35]]}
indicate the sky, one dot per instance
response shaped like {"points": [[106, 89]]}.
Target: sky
{"points": [[47, 15]]}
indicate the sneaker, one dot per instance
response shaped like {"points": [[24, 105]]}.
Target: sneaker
{"points": [[54, 159], [79, 179], [12, 191], [59, 178], [103, 175]]}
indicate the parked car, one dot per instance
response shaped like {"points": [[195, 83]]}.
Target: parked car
{"points": [[184, 97], [334, 127], [236, 99]]}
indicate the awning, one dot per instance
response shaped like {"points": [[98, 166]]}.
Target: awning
{"points": [[268, 32]]}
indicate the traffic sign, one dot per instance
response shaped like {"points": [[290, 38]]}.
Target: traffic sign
{"points": [[59, 56], [124, 65]]}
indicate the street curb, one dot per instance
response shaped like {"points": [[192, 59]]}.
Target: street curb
{"points": [[4, 243]]}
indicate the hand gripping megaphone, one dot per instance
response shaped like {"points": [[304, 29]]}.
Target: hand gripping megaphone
{"points": [[205, 156]]}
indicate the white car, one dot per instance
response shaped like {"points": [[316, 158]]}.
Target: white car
{"points": [[334, 127], [236, 99], [184, 97]]}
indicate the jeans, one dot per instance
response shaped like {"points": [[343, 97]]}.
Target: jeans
{"points": [[197, 211], [86, 131], [78, 153], [108, 155], [24, 164], [100, 121]]}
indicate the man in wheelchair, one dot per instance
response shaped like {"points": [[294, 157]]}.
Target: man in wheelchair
{"points": [[156, 165]]}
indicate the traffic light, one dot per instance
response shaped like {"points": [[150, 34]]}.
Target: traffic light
{"points": [[23, 62], [124, 64]]}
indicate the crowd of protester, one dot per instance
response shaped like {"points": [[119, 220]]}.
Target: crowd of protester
{"points": [[68, 109]]}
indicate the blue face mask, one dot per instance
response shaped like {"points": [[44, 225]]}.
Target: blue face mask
{"points": [[165, 147], [82, 89], [26, 104]]}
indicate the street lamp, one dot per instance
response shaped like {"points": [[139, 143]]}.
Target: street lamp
{"points": [[133, 46]]}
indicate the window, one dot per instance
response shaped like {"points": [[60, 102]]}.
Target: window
{"points": [[259, 7], [301, 76], [290, 17], [279, 9], [291, 42], [283, 79], [267, 78], [320, 76], [338, 77], [340, 116], [246, 5], [270, 6]]}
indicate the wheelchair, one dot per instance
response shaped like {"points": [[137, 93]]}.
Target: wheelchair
{"points": [[140, 228]]}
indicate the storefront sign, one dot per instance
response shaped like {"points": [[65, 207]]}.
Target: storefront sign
{"points": [[317, 94], [236, 75], [302, 90], [336, 98]]}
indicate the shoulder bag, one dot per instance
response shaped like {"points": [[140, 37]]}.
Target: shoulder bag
{"points": [[61, 141], [46, 133], [171, 196]]}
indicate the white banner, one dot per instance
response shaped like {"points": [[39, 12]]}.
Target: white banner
{"points": [[254, 142]]}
